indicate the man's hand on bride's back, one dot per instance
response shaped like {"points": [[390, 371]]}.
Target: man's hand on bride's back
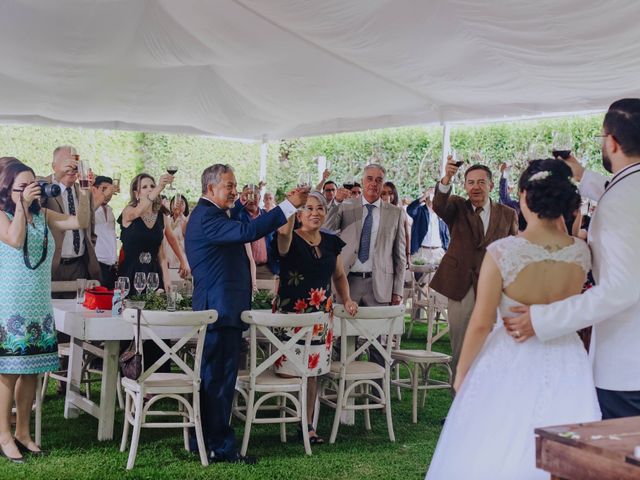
{"points": [[520, 327]]}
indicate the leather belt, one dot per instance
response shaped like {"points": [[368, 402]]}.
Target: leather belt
{"points": [[429, 248], [360, 274], [67, 261]]}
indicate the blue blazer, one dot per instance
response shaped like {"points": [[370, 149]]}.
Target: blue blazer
{"points": [[419, 212], [214, 243], [272, 260]]}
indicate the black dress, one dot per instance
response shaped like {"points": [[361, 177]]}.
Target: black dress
{"points": [[141, 246], [305, 286]]}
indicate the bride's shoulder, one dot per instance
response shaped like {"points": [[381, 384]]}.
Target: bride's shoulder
{"points": [[509, 242]]}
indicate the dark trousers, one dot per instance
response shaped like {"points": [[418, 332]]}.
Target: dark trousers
{"points": [[617, 404], [220, 359], [109, 274]]}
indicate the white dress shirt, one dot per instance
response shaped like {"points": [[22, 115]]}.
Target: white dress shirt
{"points": [[106, 242], [67, 244], [432, 238], [368, 265], [485, 214]]}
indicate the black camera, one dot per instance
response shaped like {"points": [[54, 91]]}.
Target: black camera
{"points": [[49, 190]]}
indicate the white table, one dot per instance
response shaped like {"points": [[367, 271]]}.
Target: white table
{"points": [[84, 325]]}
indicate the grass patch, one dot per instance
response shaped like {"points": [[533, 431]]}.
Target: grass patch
{"points": [[357, 454]]}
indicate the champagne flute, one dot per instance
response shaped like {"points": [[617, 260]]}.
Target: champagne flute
{"points": [[153, 281], [251, 194], [125, 286], [140, 282], [83, 174], [562, 145], [116, 182]]}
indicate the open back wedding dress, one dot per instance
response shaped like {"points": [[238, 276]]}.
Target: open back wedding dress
{"points": [[513, 388]]}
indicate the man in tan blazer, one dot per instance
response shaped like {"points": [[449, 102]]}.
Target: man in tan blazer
{"points": [[374, 257], [474, 224], [74, 255]]}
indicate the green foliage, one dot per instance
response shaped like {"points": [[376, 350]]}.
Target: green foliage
{"points": [[262, 300], [158, 301], [410, 154]]}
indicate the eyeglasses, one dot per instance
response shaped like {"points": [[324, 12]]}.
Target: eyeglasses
{"points": [[600, 138]]}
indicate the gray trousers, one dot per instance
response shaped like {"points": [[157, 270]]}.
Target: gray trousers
{"points": [[459, 314]]}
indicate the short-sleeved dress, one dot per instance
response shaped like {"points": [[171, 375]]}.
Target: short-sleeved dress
{"points": [[305, 287], [27, 328], [141, 246]]}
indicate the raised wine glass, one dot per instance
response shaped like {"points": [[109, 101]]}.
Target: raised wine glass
{"points": [[140, 282], [562, 145], [172, 170], [304, 180], [153, 281]]}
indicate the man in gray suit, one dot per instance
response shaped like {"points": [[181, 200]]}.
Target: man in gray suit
{"points": [[374, 257], [74, 256]]}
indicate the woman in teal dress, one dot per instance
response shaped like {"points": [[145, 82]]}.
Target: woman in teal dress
{"points": [[27, 328]]}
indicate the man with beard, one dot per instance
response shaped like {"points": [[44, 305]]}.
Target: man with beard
{"points": [[613, 305], [474, 224]]}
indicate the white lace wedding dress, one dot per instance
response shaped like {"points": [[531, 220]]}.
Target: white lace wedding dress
{"points": [[513, 388]]}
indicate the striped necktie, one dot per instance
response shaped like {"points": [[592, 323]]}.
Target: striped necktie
{"points": [[365, 235]]}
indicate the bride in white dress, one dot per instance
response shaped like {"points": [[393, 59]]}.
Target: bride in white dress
{"points": [[506, 389]]}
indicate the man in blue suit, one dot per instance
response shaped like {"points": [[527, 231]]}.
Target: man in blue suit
{"points": [[429, 233], [214, 243]]}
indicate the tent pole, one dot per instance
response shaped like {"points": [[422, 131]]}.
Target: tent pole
{"points": [[446, 146]]}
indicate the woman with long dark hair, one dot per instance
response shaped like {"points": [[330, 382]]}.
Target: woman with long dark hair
{"points": [[28, 343], [390, 195]]}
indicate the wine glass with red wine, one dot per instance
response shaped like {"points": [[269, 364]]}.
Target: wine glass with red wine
{"points": [[172, 170], [562, 145]]}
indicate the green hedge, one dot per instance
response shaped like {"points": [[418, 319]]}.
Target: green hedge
{"points": [[411, 154]]}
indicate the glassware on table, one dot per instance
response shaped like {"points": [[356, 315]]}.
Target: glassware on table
{"points": [[83, 174], [124, 285], [153, 281], [140, 282], [81, 285], [188, 289], [562, 145], [171, 298], [172, 170]]}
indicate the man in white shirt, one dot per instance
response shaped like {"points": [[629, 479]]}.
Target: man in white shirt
{"points": [[429, 233], [105, 229], [612, 306]]}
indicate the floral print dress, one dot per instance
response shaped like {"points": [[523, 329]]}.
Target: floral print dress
{"points": [[305, 287], [27, 329]]}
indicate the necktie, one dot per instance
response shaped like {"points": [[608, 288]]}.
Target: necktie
{"points": [[365, 235], [72, 211]]}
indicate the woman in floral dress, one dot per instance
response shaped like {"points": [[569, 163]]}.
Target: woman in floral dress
{"points": [[27, 331], [309, 261]]}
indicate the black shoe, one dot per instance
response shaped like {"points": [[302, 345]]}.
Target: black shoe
{"points": [[24, 450], [443, 421], [18, 460], [315, 440], [235, 458]]}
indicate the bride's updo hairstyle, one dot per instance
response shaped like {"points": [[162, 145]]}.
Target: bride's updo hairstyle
{"points": [[550, 192]]}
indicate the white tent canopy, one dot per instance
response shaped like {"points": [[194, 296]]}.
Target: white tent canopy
{"points": [[278, 68]]}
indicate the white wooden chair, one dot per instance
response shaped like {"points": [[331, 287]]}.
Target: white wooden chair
{"points": [[263, 382], [352, 378], [154, 325], [427, 306], [419, 364]]}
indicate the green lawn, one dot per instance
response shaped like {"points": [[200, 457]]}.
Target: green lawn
{"points": [[357, 454]]}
